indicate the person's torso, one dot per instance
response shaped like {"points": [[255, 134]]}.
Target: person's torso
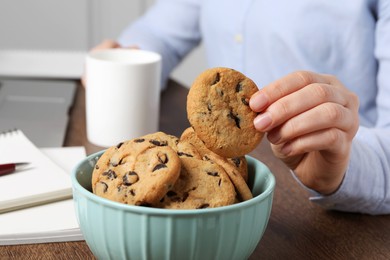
{"points": [[269, 39]]}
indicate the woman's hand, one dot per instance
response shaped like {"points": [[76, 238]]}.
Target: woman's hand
{"points": [[311, 120]]}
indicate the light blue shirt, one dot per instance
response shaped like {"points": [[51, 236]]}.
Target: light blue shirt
{"points": [[269, 39]]}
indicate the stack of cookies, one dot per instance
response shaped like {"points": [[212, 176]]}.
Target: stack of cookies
{"points": [[203, 168]]}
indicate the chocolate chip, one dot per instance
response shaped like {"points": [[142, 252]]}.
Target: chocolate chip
{"points": [[245, 101], [140, 140], [162, 158], [110, 174], [171, 193], [130, 178], [173, 196], [219, 182], [105, 186], [217, 79], [239, 87], [132, 192], [114, 164], [185, 196], [159, 166], [158, 143], [121, 161], [184, 154], [236, 161], [203, 206], [235, 118], [119, 145], [143, 204], [214, 174], [97, 167]]}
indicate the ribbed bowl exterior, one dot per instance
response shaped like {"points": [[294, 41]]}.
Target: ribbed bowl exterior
{"points": [[118, 231]]}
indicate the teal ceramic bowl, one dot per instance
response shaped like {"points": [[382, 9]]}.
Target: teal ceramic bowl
{"points": [[117, 231]]}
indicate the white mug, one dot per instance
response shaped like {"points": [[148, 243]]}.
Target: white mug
{"points": [[122, 95]]}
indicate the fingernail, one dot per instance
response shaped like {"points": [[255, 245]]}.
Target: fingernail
{"points": [[262, 121], [258, 101]]}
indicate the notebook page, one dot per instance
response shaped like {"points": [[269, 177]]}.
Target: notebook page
{"points": [[39, 220], [53, 222], [43, 178]]}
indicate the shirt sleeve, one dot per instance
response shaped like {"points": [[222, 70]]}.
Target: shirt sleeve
{"points": [[170, 28], [366, 185]]}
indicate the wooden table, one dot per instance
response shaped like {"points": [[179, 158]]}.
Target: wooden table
{"points": [[298, 229]]}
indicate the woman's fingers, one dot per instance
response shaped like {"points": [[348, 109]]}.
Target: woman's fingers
{"points": [[106, 44], [325, 116], [314, 102], [283, 87], [325, 139], [298, 102]]}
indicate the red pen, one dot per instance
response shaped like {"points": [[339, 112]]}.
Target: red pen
{"points": [[11, 167]]}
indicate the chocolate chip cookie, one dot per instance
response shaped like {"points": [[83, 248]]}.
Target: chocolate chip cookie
{"points": [[137, 172], [201, 184], [238, 181], [189, 143], [218, 110]]}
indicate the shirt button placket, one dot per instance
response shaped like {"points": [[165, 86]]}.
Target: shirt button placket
{"points": [[238, 38]]}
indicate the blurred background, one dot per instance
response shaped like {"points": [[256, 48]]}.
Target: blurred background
{"points": [[73, 26], [43, 44]]}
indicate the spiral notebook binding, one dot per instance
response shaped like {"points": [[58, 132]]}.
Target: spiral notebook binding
{"points": [[10, 131]]}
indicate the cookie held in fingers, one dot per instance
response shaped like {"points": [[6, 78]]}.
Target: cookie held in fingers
{"points": [[218, 110], [137, 172]]}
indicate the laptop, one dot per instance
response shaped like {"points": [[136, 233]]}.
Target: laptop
{"points": [[38, 107], [36, 92]]}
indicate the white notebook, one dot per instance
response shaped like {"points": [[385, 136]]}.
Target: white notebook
{"points": [[41, 182], [53, 222]]}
